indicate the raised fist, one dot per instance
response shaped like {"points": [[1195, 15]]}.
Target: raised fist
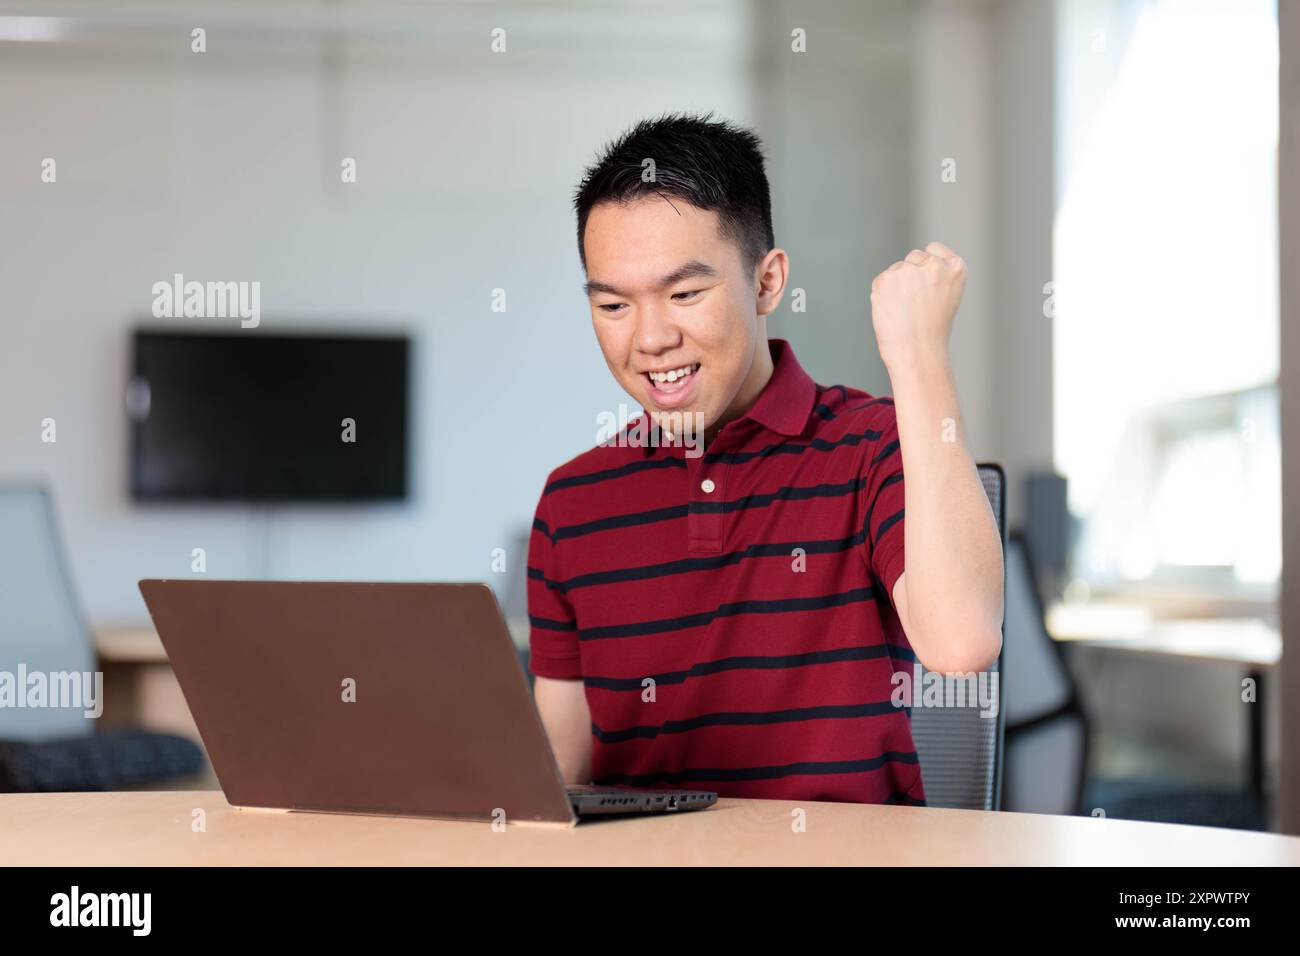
{"points": [[913, 303]]}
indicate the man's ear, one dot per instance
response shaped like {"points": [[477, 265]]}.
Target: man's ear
{"points": [[769, 278]]}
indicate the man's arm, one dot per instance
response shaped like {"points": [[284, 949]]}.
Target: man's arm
{"points": [[563, 707], [949, 600]]}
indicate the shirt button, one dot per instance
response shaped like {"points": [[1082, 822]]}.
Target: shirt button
{"points": [[707, 486]]}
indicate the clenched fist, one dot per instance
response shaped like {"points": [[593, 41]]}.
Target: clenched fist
{"points": [[913, 303]]}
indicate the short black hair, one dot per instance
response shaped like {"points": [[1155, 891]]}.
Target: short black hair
{"points": [[708, 163]]}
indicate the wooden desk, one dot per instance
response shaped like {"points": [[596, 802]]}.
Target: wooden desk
{"points": [[154, 828]]}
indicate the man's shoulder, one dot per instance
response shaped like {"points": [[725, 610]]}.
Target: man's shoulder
{"points": [[842, 409], [596, 464]]}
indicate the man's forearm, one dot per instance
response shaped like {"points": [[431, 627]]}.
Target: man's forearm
{"points": [[953, 576]]}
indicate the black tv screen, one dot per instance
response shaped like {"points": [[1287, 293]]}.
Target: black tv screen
{"points": [[256, 417]]}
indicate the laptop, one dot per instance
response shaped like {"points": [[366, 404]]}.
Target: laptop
{"points": [[394, 699]]}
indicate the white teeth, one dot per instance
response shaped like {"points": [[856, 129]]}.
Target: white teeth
{"points": [[672, 375]]}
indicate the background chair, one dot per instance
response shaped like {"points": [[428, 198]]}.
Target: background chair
{"points": [[42, 631], [1046, 726], [960, 750]]}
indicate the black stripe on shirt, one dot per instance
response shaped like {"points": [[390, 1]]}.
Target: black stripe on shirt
{"points": [[883, 400], [903, 800], [631, 520], [867, 652], [713, 562], [777, 606], [892, 519], [782, 549], [823, 410], [887, 524], [803, 768], [791, 448], [758, 500], [885, 452], [547, 624], [724, 457], [786, 493], [751, 662], [747, 719], [609, 474]]}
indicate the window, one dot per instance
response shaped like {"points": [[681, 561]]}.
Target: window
{"points": [[1165, 293]]}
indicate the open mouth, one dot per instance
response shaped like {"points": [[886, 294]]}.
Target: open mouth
{"points": [[672, 381], [672, 385]]}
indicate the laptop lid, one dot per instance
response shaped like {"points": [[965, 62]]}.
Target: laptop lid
{"points": [[360, 698]]}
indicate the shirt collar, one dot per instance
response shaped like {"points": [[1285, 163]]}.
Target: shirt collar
{"points": [[786, 400]]}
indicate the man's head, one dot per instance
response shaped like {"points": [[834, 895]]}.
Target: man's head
{"points": [[675, 233]]}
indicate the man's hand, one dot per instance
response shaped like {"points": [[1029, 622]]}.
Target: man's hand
{"points": [[912, 306]]}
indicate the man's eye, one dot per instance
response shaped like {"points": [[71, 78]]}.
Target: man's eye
{"points": [[685, 296], [611, 307]]}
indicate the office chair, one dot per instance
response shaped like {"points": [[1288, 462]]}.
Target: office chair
{"points": [[1046, 725], [961, 751], [42, 631], [514, 596]]}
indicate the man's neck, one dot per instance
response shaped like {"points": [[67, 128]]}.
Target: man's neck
{"points": [[760, 373]]}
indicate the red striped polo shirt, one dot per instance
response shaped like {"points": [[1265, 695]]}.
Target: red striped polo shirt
{"points": [[730, 614]]}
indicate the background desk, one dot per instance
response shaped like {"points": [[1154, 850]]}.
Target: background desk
{"points": [[1253, 646], [92, 829]]}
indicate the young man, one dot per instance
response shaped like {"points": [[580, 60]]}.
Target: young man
{"points": [[733, 620]]}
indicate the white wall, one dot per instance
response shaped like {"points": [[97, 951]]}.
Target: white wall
{"points": [[984, 93], [954, 154], [1023, 57], [224, 166], [839, 124]]}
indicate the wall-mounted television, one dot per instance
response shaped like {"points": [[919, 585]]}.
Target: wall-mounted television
{"points": [[248, 416]]}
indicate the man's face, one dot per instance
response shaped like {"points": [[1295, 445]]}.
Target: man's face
{"points": [[676, 312]]}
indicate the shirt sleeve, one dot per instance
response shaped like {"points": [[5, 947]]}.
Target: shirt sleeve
{"points": [[882, 503], [553, 627]]}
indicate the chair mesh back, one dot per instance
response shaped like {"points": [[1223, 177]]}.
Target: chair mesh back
{"points": [[41, 630], [960, 750]]}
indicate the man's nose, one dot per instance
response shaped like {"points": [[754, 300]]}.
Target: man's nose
{"points": [[655, 329]]}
